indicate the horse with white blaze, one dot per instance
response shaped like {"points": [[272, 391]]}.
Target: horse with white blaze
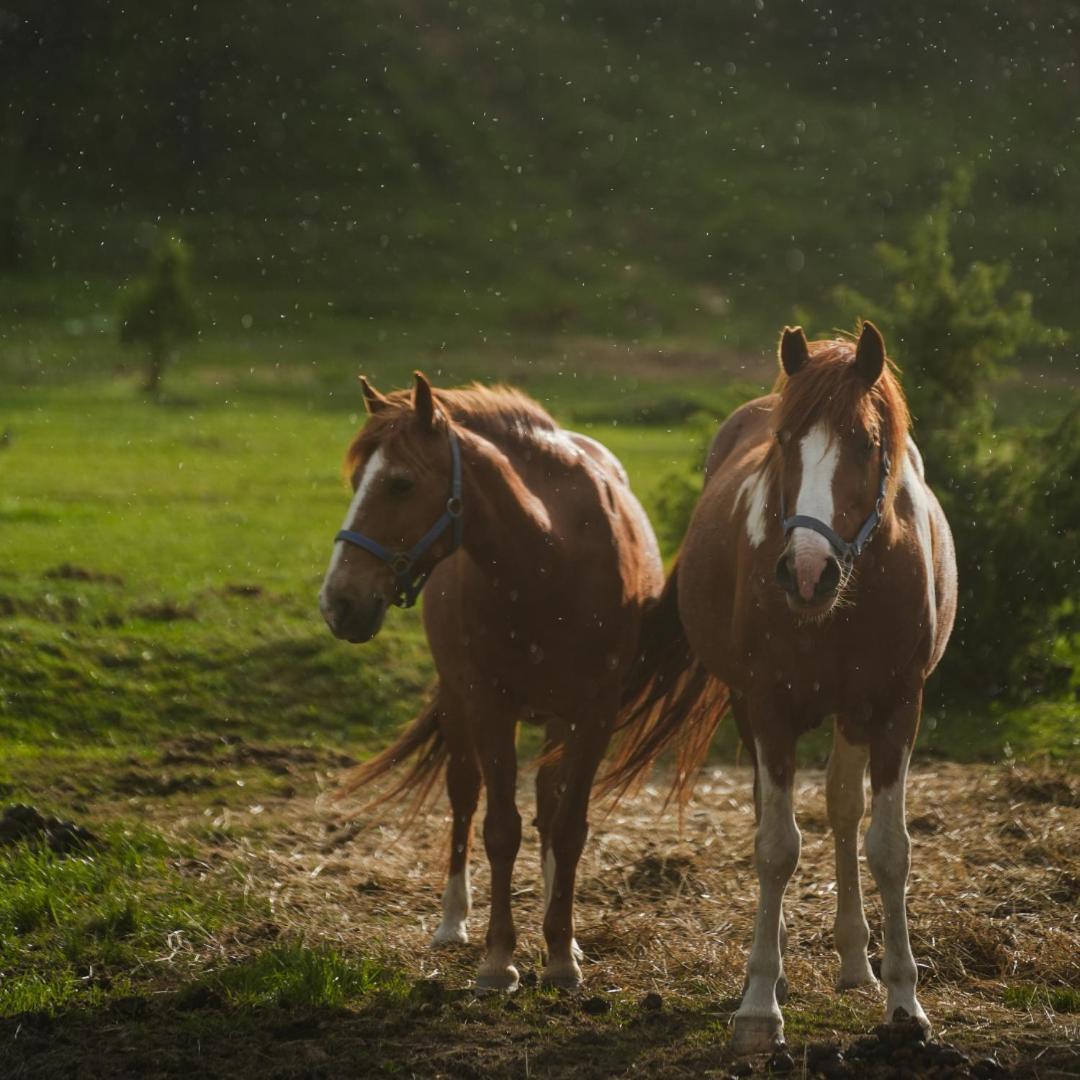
{"points": [[538, 562], [817, 580]]}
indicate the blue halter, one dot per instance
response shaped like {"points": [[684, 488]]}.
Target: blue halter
{"points": [[403, 563], [847, 552]]}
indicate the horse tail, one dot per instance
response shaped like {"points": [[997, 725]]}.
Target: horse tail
{"points": [[422, 738], [669, 699]]}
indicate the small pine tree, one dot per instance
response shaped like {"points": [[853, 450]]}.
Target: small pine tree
{"points": [[951, 333], [157, 311]]}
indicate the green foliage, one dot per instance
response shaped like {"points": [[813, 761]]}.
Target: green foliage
{"points": [[1011, 496], [950, 331], [157, 312]]}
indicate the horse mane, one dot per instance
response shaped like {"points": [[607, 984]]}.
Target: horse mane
{"points": [[827, 388], [500, 413]]}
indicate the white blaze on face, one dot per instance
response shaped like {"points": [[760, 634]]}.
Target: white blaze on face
{"points": [[819, 455], [372, 469]]}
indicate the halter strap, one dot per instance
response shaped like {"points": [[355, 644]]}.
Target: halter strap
{"points": [[847, 552], [404, 562]]}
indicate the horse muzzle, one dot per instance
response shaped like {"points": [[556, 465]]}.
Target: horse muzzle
{"points": [[811, 586], [354, 620]]}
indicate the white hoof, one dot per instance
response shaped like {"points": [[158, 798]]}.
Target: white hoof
{"points": [[851, 978], [450, 934], [757, 1034], [497, 977]]}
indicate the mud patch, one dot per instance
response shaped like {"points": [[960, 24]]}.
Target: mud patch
{"points": [[160, 785], [71, 572], [223, 750], [164, 611], [26, 824]]}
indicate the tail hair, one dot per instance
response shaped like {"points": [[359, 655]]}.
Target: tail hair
{"points": [[423, 739], [669, 700]]}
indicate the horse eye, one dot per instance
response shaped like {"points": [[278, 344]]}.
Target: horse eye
{"points": [[783, 437], [398, 486]]}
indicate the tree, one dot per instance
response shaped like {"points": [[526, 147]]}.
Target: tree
{"points": [[157, 310]]}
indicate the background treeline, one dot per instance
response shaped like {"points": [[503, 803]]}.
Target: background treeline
{"points": [[584, 165]]}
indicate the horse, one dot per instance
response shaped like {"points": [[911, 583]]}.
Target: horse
{"points": [[817, 579], [537, 563]]}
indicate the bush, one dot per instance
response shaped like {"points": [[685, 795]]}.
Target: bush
{"points": [[1010, 496], [157, 311]]}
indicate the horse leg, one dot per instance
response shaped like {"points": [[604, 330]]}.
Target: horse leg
{"points": [[569, 830], [548, 780], [502, 838], [846, 798], [759, 1024], [463, 787], [742, 723], [888, 851]]}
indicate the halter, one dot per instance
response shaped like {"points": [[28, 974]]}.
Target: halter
{"points": [[404, 562], [847, 552]]}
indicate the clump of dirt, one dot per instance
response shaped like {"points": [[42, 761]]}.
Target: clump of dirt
{"points": [[233, 588], [71, 572], [897, 1049], [224, 750], [164, 611], [662, 872], [142, 782], [1050, 788], [20, 822]]}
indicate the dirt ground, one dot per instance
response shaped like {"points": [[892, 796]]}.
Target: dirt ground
{"points": [[664, 909]]}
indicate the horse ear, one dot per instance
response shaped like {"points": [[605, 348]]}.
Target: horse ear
{"points": [[373, 401], [870, 354], [423, 400], [794, 349]]}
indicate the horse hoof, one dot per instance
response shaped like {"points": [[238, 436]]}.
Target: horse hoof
{"points": [[497, 979], [757, 1034], [781, 990], [450, 934], [907, 1026], [852, 980], [563, 976]]}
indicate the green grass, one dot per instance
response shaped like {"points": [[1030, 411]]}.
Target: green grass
{"points": [[75, 929], [1061, 999], [294, 976]]}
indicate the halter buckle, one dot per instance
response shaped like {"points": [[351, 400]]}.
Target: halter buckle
{"points": [[401, 564], [454, 506]]}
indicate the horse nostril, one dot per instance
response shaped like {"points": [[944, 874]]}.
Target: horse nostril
{"points": [[785, 573], [829, 581]]}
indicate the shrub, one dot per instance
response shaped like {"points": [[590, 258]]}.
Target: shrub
{"points": [[157, 311], [1010, 496]]}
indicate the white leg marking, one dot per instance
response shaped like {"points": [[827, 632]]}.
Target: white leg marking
{"points": [[888, 851], [915, 486], [759, 1024], [456, 905], [549, 885], [372, 469], [754, 487], [846, 797], [549, 876]]}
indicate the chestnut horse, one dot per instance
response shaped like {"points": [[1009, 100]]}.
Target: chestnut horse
{"points": [[539, 562], [817, 579]]}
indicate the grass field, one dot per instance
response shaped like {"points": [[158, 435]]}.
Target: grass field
{"points": [[166, 681]]}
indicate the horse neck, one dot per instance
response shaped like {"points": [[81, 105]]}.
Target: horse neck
{"points": [[503, 518]]}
